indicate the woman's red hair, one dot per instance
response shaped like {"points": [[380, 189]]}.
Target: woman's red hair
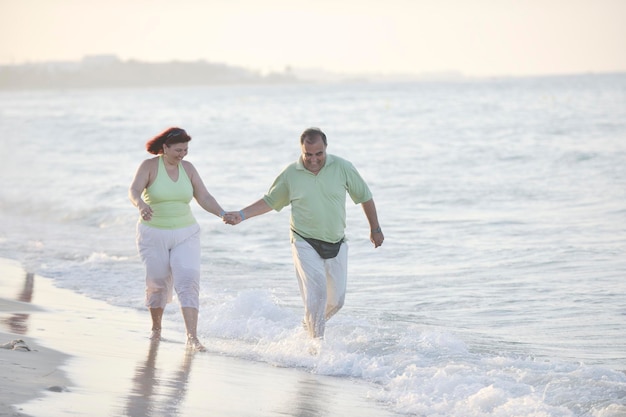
{"points": [[167, 137]]}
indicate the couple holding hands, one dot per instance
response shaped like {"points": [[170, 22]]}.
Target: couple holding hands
{"points": [[168, 236]]}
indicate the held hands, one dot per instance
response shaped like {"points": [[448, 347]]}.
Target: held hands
{"points": [[232, 217]]}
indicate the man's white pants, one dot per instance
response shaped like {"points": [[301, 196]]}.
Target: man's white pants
{"points": [[322, 284]]}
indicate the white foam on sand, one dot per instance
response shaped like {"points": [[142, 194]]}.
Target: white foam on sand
{"points": [[115, 370]]}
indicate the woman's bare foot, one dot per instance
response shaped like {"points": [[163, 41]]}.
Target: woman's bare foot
{"points": [[194, 344], [156, 334]]}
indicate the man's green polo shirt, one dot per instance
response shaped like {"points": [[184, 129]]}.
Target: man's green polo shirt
{"points": [[318, 202]]}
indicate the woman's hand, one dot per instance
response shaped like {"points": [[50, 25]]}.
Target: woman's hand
{"points": [[145, 212], [232, 218]]}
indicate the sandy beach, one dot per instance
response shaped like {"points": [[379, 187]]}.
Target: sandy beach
{"points": [[28, 369], [87, 358]]}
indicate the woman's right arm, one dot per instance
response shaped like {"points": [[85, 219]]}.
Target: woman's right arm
{"points": [[140, 182]]}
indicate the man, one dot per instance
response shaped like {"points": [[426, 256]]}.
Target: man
{"points": [[316, 187]]}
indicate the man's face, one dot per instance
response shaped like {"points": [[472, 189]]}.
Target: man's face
{"points": [[314, 154]]}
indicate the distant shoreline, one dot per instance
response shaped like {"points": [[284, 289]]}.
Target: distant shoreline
{"points": [[107, 71]]}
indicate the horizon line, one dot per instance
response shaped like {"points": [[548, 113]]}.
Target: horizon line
{"points": [[444, 73]]}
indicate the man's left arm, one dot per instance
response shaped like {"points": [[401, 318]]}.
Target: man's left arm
{"points": [[376, 234]]}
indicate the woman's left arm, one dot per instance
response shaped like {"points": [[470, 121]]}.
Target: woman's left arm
{"points": [[200, 192]]}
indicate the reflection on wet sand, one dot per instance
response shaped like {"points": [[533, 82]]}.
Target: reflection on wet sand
{"points": [[152, 393], [309, 401], [18, 322]]}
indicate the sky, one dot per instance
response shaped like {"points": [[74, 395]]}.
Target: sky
{"points": [[471, 37]]}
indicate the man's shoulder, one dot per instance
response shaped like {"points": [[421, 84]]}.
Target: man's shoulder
{"points": [[293, 166], [338, 161], [288, 171]]}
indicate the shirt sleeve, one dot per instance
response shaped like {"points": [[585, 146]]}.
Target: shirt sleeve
{"points": [[357, 187], [278, 195]]}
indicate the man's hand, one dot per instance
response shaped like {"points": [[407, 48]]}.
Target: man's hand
{"points": [[377, 237], [232, 218]]}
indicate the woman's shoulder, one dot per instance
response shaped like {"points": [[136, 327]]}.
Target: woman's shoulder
{"points": [[188, 166], [150, 163]]}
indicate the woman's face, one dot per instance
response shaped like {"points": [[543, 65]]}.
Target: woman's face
{"points": [[175, 152]]}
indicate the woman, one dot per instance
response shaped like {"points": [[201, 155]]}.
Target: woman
{"points": [[168, 236]]}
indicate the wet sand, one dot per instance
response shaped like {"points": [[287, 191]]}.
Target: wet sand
{"points": [[88, 358]]}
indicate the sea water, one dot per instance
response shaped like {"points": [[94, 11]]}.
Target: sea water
{"points": [[499, 291]]}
